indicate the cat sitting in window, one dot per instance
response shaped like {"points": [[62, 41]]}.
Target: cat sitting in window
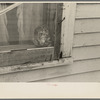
{"points": [[41, 37]]}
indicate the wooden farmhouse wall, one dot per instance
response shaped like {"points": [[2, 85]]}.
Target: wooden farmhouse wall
{"points": [[86, 46], [85, 52]]}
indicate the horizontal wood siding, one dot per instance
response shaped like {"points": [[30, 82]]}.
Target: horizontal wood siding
{"points": [[86, 39], [87, 25], [88, 10], [78, 67], [86, 44], [89, 52], [82, 77]]}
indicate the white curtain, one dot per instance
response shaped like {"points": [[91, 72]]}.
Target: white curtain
{"points": [[29, 16], [3, 27]]}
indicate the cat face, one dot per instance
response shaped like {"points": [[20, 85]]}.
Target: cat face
{"points": [[41, 37]]}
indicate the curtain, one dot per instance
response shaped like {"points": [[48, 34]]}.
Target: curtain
{"points": [[29, 16], [3, 27], [19, 23]]}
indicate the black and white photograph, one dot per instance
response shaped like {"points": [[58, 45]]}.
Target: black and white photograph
{"points": [[49, 49], [49, 42]]}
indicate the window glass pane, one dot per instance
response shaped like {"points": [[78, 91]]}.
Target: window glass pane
{"points": [[28, 24]]}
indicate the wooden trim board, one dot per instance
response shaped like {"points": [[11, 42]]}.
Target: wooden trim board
{"points": [[30, 55], [51, 72], [69, 10], [32, 66]]}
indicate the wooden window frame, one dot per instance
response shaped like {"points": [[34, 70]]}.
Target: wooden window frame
{"points": [[65, 47], [68, 29]]}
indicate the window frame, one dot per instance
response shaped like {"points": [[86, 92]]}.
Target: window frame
{"points": [[67, 34], [65, 51], [10, 56]]}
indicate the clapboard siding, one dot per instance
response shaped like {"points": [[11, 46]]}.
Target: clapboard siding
{"points": [[88, 10], [82, 77], [86, 44], [87, 25], [86, 39], [81, 53], [77, 67]]}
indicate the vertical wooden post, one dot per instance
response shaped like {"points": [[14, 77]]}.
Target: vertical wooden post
{"points": [[67, 32], [58, 23]]}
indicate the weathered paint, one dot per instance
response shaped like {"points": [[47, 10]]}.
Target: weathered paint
{"points": [[85, 53]]}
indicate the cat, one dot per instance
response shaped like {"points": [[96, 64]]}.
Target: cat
{"points": [[41, 37]]}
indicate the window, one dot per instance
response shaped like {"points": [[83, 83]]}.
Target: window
{"points": [[35, 32], [29, 32]]}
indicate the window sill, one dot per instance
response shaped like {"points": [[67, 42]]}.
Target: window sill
{"points": [[30, 67]]}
